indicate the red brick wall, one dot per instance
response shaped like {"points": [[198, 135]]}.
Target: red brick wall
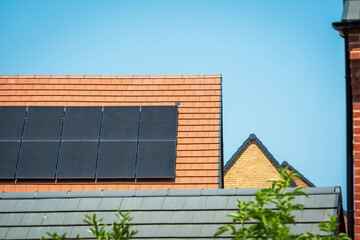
{"points": [[354, 48], [198, 98]]}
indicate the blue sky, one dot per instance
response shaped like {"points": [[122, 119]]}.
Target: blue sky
{"points": [[282, 62]]}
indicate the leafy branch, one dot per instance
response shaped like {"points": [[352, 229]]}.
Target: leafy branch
{"points": [[270, 215], [118, 230]]}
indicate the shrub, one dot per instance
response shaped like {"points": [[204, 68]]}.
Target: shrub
{"points": [[119, 230], [270, 223]]}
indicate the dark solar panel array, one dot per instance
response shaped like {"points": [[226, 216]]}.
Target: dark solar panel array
{"points": [[120, 123], [82, 123], [37, 160], [43, 123], [158, 123], [77, 159], [157, 142], [87, 142], [11, 130], [12, 123], [8, 157], [117, 159], [156, 159]]}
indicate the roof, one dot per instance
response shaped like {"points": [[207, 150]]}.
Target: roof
{"points": [[190, 214], [351, 10], [303, 178], [241, 149], [198, 97], [350, 17]]}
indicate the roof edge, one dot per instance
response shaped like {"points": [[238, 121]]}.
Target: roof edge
{"points": [[154, 193], [343, 26], [112, 76]]}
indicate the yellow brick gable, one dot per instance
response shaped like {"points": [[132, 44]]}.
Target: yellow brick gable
{"points": [[252, 169]]}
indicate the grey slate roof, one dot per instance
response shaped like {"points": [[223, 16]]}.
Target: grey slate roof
{"points": [[166, 214], [351, 10]]}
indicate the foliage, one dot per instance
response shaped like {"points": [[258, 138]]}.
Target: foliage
{"points": [[118, 230], [267, 223]]}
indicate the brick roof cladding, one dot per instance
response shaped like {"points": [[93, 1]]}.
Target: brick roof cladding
{"points": [[162, 214], [197, 96]]}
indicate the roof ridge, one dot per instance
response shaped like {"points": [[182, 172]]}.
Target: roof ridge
{"points": [[154, 193], [114, 76]]}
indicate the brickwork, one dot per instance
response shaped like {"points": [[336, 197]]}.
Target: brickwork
{"points": [[198, 98], [299, 182], [251, 170], [354, 48]]}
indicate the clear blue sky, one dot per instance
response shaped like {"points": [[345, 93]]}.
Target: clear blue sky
{"points": [[282, 62]]}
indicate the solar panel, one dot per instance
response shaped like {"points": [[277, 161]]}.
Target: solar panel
{"points": [[43, 123], [116, 159], [77, 159], [8, 157], [11, 122], [158, 123], [156, 159], [37, 160], [82, 123], [120, 123]]}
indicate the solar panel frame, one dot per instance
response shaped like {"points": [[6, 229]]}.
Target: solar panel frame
{"points": [[158, 123], [83, 153], [156, 159], [82, 123], [12, 120], [8, 158], [120, 123], [116, 159], [37, 160], [43, 123]]}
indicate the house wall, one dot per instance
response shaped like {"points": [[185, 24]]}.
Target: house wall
{"points": [[251, 170], [198, 142], [299, 182], [354, 48]]}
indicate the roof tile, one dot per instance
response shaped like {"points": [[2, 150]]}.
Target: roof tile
{"points": [[167, 230], [110, 204], [131, 203], [89, 203], [68, 204], [12, 219], [32, 219], [182, 217], [203, 217], [53, 218], [190, 230], [17, 232], [3, 232], [47, 204], [313, 215], [216, 202], [74, 218], [152, 203], [25, 205]]}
